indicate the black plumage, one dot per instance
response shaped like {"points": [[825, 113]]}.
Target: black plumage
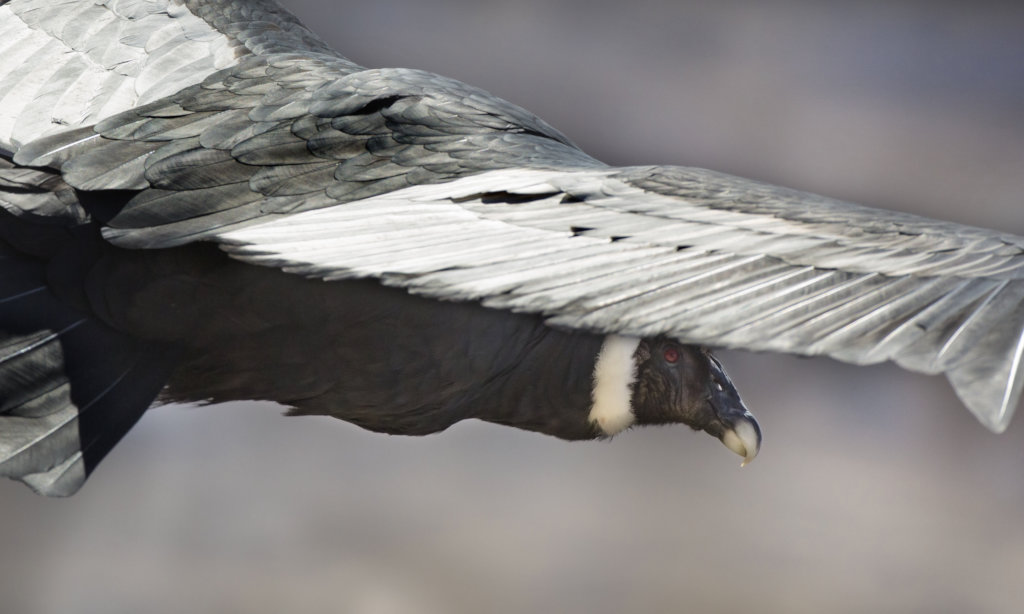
{"points": [[241, 213]]}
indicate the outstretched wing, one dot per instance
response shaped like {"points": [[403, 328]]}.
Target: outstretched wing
{"points": [[701, 256], [304, 161]]}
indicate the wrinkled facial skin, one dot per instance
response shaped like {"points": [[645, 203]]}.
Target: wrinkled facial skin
{"points": [[669, 392], [686, 383]]}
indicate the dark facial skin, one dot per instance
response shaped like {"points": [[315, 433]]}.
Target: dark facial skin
{"points": [[686, 383]]}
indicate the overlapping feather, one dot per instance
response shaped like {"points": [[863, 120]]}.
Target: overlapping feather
{"points": [[294, 157]]}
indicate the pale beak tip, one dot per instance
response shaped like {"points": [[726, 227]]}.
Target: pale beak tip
{"points": [[744, 438]]}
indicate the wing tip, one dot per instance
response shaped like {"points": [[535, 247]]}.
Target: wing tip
{"points": [[991, 386], [996, 421]]}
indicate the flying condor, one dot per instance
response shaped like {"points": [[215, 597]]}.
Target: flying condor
{"points": [[200, 201]]}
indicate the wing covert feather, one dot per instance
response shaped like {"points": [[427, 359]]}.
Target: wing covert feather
{"points": [[70, 64]]}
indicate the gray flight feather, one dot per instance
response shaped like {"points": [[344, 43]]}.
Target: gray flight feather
{"points": [[228, 121]]}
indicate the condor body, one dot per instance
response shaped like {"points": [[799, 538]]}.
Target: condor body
{"points": [[202, 201]]}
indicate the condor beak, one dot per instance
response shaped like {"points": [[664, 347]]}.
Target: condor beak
{"points": [[733, 423], [744, 438]]}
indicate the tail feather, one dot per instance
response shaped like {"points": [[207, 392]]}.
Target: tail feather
{"points": [[70, 386]]}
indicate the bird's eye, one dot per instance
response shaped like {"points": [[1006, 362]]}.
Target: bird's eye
{"points": [[671, 355]]}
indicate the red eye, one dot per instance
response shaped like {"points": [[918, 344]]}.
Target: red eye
{"points": [[671, 355]]}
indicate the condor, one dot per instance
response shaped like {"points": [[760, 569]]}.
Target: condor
{"points": [[202, 202]]}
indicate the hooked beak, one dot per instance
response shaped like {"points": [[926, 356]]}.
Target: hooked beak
{"points": [[744, 438], [733, 423]]}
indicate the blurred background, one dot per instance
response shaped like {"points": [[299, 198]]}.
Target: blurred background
{"points": [[875, 490]]}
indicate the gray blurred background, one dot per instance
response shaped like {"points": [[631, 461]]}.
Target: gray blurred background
{"points": [[875, 491]]}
